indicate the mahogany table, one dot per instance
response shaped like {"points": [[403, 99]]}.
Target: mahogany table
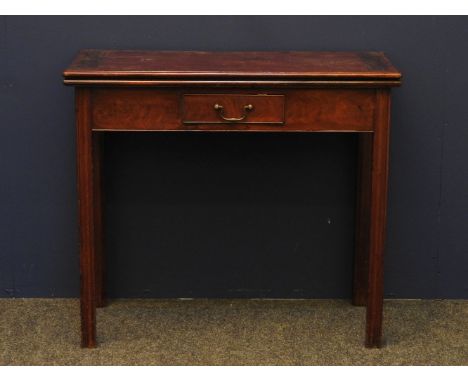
{"points": [[236, 92]]}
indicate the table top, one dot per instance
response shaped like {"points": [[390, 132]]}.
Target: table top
{"points": [[194, 65]]}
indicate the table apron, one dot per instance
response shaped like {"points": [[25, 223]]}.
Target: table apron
{"points": [[300, 110]]}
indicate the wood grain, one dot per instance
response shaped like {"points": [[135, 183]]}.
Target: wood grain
{"points": [[260, 65], [98, 219], [362, 226], [86, 208], [304, 110], [378, 218]]}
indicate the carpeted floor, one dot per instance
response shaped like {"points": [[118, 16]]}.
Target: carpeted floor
{"points": [[233, 332]]}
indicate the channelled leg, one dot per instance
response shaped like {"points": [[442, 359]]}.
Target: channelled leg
{"points": [[84, 151], [98, 221], [363, 192], [378, 212]]}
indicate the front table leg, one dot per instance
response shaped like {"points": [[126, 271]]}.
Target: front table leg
{"points": [[84, 151], [378, 212]]}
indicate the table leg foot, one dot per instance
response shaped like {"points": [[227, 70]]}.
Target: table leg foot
{"points": [[88, 340]]}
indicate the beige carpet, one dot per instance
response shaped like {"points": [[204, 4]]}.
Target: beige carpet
{"points": [[233, 332]]}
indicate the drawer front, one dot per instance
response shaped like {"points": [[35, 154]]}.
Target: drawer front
{"points": [[232, 108], [181, 110]]}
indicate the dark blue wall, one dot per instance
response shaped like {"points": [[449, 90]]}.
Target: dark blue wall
{"points": [[234, 216]]}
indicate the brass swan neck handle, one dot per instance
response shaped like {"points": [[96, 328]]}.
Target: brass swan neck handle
{"points": [[220, 109]]}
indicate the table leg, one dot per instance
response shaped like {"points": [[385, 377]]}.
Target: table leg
{"points": [[378, 212], [363, 192], [98, 220], [84, 148]]}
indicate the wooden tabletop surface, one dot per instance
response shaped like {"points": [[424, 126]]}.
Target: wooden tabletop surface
{"points": [[132, 64]]}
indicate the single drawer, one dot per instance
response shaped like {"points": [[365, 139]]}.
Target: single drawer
{"points": [[170, 109], [232, 108]]}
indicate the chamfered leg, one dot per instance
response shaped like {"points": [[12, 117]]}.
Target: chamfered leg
{"points": [[363, 191], [378, 212], [98, 220], [84, 148]]}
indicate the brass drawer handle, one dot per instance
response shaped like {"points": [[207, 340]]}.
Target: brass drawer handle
{"points": [[220, 110]]}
